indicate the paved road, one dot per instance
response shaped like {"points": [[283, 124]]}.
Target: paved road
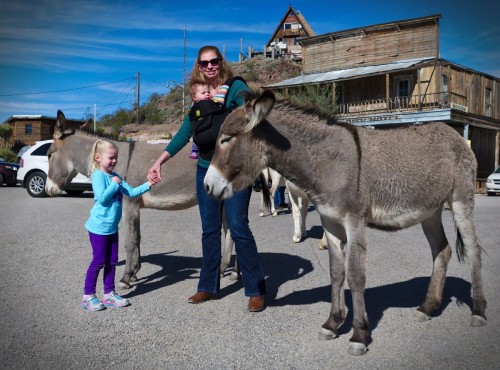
{"points": [[44, 254]]}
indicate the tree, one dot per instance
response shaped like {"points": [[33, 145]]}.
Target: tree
{"points": [[6, 133]]}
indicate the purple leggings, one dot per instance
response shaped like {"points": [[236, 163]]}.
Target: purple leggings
{"points": [[104, 254]]}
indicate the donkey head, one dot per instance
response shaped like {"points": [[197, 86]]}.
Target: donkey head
{"points": [[239, 156], [61, 167]]}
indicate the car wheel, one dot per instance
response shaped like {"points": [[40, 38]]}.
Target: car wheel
{"points": [[74, 192], [490, 193], [36, 184], [1, 179]]}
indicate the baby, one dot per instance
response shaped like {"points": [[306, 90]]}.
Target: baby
{"points": [[199, 91]]}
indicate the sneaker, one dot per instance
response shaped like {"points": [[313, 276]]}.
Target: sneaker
{"points": [[193, 155], [92, 303], [114, 300]]}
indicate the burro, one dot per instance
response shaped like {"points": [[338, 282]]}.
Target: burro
{"points": [[356, 177]]}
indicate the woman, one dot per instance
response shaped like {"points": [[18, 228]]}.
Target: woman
{"points": [[211, 67]]}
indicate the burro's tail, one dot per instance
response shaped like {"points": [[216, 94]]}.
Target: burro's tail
{"points": [[459, 246]]}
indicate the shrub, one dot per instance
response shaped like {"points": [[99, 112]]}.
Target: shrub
{"points": [[8, 155]]}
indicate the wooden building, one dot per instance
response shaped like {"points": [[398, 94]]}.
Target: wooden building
{"points": [[28, 129], [392, 74], [285, 41]]}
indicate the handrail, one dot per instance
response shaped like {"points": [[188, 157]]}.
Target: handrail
{"points": [[405, 103]]}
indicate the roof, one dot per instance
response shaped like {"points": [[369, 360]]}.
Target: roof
{"points": [[37, 117], [344, 74], [396, 25], [350, 73]]}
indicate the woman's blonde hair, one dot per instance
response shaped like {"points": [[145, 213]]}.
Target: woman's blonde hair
{"points": [[98, 147], [225, 72]]}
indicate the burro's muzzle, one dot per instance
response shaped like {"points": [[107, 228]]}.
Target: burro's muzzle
{"points": [[216, 185]]}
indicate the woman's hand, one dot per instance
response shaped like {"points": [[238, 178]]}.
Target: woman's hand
{"points": [[154, 174]]}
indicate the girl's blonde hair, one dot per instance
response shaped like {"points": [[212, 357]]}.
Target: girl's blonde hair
{"points": [[98, 147], [225, 72]]}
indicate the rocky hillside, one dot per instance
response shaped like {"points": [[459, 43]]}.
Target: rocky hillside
{"points": [[256, 71]]}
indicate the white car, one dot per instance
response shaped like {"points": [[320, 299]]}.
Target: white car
{"points": [[493, 183], [32, 173]]}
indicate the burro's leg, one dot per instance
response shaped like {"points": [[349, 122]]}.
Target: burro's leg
{"points": [[335, 236], [228, 251], [441, 253], [131, 229], [299, 222], [323, 244], [356, 278], [468, 244]]}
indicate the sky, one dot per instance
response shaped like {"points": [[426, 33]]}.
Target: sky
{"points": [[82, 55]]}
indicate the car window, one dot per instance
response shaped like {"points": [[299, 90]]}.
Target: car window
{"points": [[42, 151], [497, 170]]}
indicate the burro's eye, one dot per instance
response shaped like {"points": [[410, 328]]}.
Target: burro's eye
{"points": [[224, 139]]}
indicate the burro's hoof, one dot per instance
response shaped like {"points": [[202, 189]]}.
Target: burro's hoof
{"points": [[420, 316], [477, 320], [357, 349], [325, 334], [122, 285]]}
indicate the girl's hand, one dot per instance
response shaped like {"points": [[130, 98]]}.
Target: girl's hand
{"points": [[151, 183], [116, 179]]}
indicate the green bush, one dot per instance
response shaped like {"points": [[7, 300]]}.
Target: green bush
{"points": [[8, 155]]}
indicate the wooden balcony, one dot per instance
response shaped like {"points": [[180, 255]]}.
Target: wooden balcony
{"points": [[405, 103]]}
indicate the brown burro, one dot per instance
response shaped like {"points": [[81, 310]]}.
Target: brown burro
{"points": [[356, 177], [69, 155]]}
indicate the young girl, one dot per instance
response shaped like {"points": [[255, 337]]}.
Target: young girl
{"points": [[102, 224]]}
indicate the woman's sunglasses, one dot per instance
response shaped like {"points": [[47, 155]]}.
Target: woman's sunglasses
{"points": [[204, 63]]}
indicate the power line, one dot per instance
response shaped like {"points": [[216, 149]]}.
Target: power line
{"points": [[57, 91]]}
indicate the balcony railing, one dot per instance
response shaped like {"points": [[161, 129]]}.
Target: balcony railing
{"points": [[405, 103]]}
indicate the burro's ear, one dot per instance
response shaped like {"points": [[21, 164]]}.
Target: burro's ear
{"points": [[86, 126], [60, 122], [258, 108]]}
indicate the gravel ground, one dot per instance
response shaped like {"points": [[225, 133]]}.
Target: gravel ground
{"points": [[45, 253]]}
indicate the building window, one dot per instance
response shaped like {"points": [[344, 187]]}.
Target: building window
{"points": [[487, 102], [445, 90], [28, 129], [287, 26]]}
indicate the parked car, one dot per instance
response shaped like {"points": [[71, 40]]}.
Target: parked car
{"points": [[23, 150], [493, 183], [8, 173], [32, 173]]}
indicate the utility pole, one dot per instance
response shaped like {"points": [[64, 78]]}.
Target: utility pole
{"points": [[184, 77], [95, 118], [138, 95]]}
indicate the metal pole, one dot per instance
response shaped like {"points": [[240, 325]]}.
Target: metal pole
{"points": [[138, 94], [95, 118], [184, 78]]}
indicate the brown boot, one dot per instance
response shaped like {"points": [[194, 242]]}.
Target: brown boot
{"points": [[256, 303], [201, 297]]}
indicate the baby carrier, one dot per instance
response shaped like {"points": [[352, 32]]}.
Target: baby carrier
{"points": [[206, 118]]}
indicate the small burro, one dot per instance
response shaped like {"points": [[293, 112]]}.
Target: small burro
{"points": [[356, 177]]}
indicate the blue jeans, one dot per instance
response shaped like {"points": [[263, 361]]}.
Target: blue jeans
{"points": [[279, 196], [246, 249]]}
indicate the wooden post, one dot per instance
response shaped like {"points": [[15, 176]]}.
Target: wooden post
{"points": [[497, 151], [418, 89], [387, 91]]}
